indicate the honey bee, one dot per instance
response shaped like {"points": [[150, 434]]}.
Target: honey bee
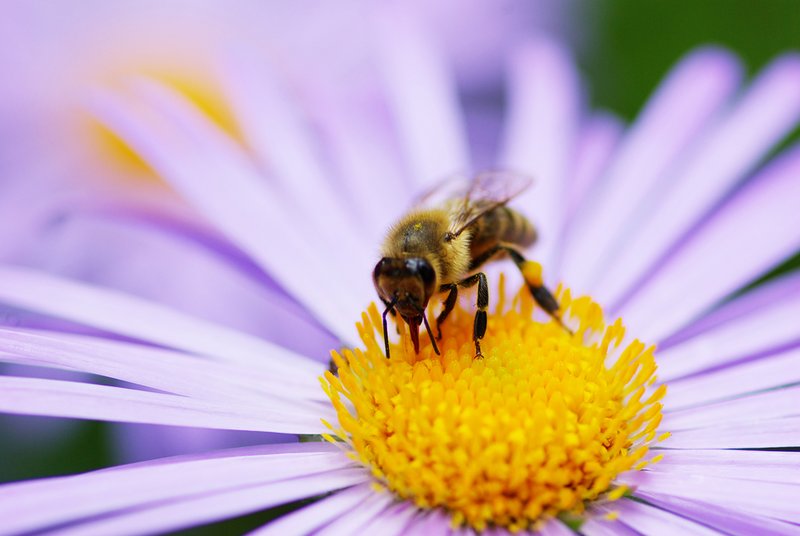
{"points": [[439, 249]]}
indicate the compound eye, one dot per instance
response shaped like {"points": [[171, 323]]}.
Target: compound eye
{"points": [[425, 271], [380, 268]]}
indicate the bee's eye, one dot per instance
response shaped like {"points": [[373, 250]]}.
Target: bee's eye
{"points": [[425, 271]]}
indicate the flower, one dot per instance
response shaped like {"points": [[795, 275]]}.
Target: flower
{"points": [[675, 176]]}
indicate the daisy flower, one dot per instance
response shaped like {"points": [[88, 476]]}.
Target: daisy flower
{"points": [[660, 223]]}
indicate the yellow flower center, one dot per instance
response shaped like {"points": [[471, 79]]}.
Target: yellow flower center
{"points": [[538, 427]]}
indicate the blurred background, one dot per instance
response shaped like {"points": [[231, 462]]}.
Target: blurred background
{"points": [[53, 51]]}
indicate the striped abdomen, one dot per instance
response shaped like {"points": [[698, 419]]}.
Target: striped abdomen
{"points": [[502, 224]]}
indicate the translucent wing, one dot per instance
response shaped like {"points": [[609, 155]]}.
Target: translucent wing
{"points": [[485, 192]]}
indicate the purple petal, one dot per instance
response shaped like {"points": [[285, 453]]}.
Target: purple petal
{"points": [[597, 141], [33, 396], [216, 176], [765, 373], [695, 91], [393, 521], [727, 520], [774, 292], [431, 522], [730, 151], [37, 504], [757, 465], [274, 128], [133, 317], [157, 368], [769, 405], [649, 520], [422, 97], [758, 326], [597, 526], [773, 433], [305, 520], [545, 100], [352, 522], [701, 272], [772, 499], [554, 527], [217, 506]]}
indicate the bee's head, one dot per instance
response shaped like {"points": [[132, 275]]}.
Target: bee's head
{"points": [[409, 283]]}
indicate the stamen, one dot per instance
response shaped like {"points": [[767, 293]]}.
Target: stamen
{"points": [[539, 427]]}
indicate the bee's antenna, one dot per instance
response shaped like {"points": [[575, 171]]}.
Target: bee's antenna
{"points": [[430, 333], [389, 307]]}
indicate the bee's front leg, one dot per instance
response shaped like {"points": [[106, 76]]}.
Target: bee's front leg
{"points": [[479, 328]]}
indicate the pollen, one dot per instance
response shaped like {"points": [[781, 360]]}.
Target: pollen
{"points": [[540, 427]]}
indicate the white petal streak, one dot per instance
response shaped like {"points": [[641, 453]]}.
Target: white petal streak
{"points": [[756, 433], [712, 263], [216, 506], [765, 373], [38, 504], [128, 315], [422, 97], [760, 465], [772, 499], [309, 518], [156, 368], [695, 91], [733, 148], [215, 175], [34, 396], [545, 104]]}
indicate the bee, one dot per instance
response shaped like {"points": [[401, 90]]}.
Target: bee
{"points": [[440, 249]]}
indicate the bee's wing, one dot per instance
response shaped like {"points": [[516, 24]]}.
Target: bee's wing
{"points": [[485, 192]]}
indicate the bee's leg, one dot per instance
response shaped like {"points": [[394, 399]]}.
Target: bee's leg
{"points": [[479, 328], [532, 273], [449, 304]]}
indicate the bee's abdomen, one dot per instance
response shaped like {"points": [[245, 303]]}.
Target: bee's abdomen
{"points": [[517, 229]]}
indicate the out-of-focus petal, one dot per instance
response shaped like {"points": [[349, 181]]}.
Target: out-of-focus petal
{"points": [[38, 504], [133, 317], [215, 175], [598, 138], [729, 152], [695, 91], [554, 527], [597, 526], [727, 252], [422, 97], [542, 124], [156, 368], [55, 398]]}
